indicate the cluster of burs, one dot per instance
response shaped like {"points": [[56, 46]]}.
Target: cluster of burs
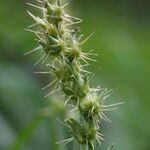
{"points": [[64, 58]]}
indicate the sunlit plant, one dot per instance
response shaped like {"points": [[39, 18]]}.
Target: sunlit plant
{"points": [[63, 57]]}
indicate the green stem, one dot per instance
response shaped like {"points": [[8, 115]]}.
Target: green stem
{"points": [[26, 133]]}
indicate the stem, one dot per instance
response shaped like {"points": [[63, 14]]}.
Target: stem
{"points": [[26, 133]]}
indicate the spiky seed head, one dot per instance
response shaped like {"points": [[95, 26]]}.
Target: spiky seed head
{"points": [[90, 107], [63, 47], [82, 131]]}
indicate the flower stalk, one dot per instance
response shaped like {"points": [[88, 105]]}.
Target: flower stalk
{"points": [[64, 58]]}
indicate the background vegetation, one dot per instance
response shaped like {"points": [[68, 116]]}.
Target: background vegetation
{"points": [[122, 40]]}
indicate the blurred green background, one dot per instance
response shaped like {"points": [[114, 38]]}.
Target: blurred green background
{"points": [[122, 40]]}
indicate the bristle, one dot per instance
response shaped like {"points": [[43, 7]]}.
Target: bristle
{"points": [[34, 50]]}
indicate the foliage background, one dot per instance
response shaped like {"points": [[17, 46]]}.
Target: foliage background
{"points": [[122, 40]]}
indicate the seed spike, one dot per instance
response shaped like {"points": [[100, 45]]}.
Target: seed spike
{"points": [[86, 54], [110, 147], [113, 105], [40, 59], [68, 16], [38, 36], [32, 25], [101, 138], [84, 41], [99, 141], [54, 39], [66, 102], [100, 134], [44, 60], [88, 72], [43, 72], [80, 37], [62, 122], [35, 6], [51, 83], [55, 89], [105, 117], [36, 19], [95, 89], [32, 16], [40, 1], [107, 93], [68, 20], [73, 23], [34, 50], [84, 65], [66, 141], [88, 58], [66, 4], [95, 74], [29, 30], [85, 61], [108, 109]]}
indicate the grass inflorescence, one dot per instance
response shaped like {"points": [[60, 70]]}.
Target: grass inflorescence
{"points": [[63, 57]]}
